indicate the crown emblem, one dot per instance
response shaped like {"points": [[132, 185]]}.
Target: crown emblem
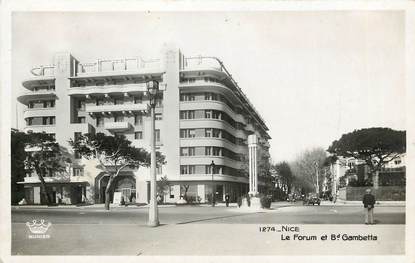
{"points": [[38, 228]]}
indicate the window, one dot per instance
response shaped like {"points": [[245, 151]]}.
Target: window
{"points": [[208, 114], [208, 132], [138, 135], [192, 151], [158, 116], [208, 150], [118, 118], [81, 105], [48, 104], [81, 119], [216, 114], [138, 119], [138, 99], [78, 171], [184, 151], [183, 169], [48, 120], [159, 101], [118, 101], [187, 133], [216, 151], [100, 121], [216, 133], [159, 169], [157, 135], [76, 136], [187, 151], [187, 114], [187, 169], [187, 97], [192, 133]]}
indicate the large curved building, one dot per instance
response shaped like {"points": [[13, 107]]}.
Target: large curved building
{"points": [[203, 116]]}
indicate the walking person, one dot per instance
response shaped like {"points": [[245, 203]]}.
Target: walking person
{"points": [[227, 197], [369, 205]]}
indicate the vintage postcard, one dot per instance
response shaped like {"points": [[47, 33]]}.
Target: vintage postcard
{"points": [[182, 129]]}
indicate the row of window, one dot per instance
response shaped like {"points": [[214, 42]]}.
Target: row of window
{"points": [[80, 104], [197, 96], [49, 120], [209, 151], [41, 104], [210, 114], [207, 169], [210, 132], [79, 171], [138, 119], [42, 88]]}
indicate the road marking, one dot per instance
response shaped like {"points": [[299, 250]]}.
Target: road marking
{"points": [[333, 210], [82, 213]]}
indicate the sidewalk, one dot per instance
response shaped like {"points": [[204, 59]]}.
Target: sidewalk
{"points": [[359, 203]]}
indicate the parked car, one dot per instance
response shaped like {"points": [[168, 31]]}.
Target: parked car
{"points": [[312, 199]]}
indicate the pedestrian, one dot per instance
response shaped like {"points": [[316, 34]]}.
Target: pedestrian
{"points": [[369, 204], [227, 197]]}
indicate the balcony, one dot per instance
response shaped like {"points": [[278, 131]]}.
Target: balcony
{"points": [[108, 89], [116, 108], [117, 126], [39, 112], [193, 63], [119, 69], [34, 95]]}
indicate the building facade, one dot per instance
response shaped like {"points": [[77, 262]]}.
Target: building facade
{"points": [[202, 116]]}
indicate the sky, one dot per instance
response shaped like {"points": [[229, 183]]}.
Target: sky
{"points": [[312, 76]]}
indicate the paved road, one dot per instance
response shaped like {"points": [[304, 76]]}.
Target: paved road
{"points": [[280, 214], [205, 231]]}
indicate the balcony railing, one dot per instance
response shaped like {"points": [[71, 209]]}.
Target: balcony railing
{"points": [[47, 71], [116, 65], [116, 108], [117, 126], [202, 62]]}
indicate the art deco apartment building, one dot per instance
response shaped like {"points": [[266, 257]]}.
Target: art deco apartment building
{"points": [[203, 116]]}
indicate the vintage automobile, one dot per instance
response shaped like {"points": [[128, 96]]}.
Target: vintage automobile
{"points": [[312, 199]]}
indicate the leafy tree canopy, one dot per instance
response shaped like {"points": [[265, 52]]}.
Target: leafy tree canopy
{"points": [[375, 146]]}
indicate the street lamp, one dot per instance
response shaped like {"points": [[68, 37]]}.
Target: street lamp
{"points": [[153, 217], [212, 168]]}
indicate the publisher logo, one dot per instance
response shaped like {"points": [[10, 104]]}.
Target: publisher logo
{"points": [[38, 228]]}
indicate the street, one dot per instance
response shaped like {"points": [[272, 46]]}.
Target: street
{"points": [[195, 229]]}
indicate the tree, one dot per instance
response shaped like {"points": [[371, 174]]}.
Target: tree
{"points": [[162, 185], [114, 153], [285, 176], [304, 168], [374, 146], [18, 155], [44, 156]]}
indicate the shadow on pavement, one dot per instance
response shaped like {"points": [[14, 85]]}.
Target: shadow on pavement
{"points": [[218, 217]]}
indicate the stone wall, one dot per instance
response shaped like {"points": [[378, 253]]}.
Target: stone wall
{"points": [[383, 193]]}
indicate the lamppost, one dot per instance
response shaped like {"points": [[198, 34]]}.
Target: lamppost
{"points": [[153, 217], [318, 187], [212, 168]]}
